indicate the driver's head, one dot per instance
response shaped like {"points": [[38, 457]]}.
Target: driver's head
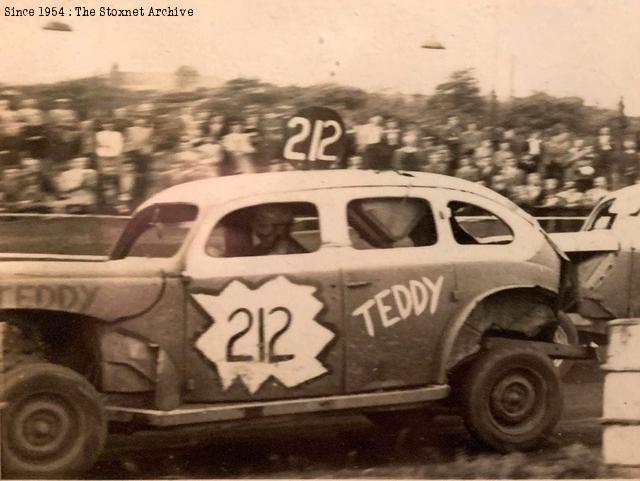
{"points": [[270, 223]]}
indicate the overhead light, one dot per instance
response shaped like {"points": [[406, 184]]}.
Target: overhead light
{"points": [[432, 44], [57, 27]]}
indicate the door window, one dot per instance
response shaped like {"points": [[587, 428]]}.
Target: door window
{"points": [[277, 228], [474, 225], [390, 222]]}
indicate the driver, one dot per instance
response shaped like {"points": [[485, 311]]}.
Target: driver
{"points": [[271, 228]]}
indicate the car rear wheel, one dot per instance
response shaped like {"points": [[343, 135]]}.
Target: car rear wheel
{"points": [[53, 423], [511, 398]]}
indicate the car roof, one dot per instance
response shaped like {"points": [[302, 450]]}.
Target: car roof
{"points": [[219, 190]]}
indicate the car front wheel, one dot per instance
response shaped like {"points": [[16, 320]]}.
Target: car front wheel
{"points": [[511, 398], [53, 424]]}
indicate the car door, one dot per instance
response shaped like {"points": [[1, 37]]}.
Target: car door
{"points": [[264, 325], [398, 284]]}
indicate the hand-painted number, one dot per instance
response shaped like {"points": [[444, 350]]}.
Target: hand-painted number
{"points": [[266, 350], [318, 144]]}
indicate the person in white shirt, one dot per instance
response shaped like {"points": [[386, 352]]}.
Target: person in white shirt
{"points": [[238, 145], [109, 149], [77, 187]]}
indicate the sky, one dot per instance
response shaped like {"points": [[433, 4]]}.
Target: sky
{"points": [[586, 48]]}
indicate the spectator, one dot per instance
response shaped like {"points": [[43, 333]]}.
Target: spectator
{"points": [[570, 196], [139, 147], [127, 182], [239, 147], [557, 153], [535, 148], [503, 153], [604, 153], [436, 163], [76, 187], [451, 133], [484, 150], [212, 156], [188, 124], [34, 133], [581, 171], [499, 184], [517, 141], [512, 175], [10, 134], [409, 156], [470, 139], [109, 150], [550, 192], [121, 120], [31, 188], [467, 170], [531, 193], [597, 192], [217, 127], [627, 164], [369, 139], [64, 131]]}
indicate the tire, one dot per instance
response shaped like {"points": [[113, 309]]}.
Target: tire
{"points": [[566, 333], [53, 425], [511, 398]]}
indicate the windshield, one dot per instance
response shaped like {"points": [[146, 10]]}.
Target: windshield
{"points": [[156, 231]]}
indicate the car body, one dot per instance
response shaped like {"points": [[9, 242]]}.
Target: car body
{"points": [[605, 256], [399, 279]]}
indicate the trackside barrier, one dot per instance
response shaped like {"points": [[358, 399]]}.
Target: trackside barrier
{"points": [[621, 398], [59, 233]]}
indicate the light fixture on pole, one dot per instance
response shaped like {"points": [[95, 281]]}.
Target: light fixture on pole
{"points": [[432, 44], [57, 27]]}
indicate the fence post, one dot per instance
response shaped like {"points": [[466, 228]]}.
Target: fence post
{"points": [[621, 398]]}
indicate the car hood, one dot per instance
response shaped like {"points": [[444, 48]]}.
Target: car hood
{"points": [[586, 241], [111, 290]]}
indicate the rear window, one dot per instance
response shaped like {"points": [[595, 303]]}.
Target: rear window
{"points": [[474, 225]]}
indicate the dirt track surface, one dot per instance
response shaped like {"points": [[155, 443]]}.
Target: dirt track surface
{"points": [[350, 446]]}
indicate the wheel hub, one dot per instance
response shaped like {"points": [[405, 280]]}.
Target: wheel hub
{"points": [[513, 399], [42, 426]]}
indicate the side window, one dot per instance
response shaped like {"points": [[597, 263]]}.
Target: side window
{"points": [[473, 225], [280, 228], [390, 222], [604, 218]]}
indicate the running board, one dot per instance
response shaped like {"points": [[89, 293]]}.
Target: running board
{"points": [[207, 413]]}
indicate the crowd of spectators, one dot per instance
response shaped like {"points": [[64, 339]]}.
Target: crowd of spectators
{"points": [[54, 161], [553, 168]]}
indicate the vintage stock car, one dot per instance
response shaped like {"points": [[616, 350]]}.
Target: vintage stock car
{"points": [[273, 294], [604, 255]]}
